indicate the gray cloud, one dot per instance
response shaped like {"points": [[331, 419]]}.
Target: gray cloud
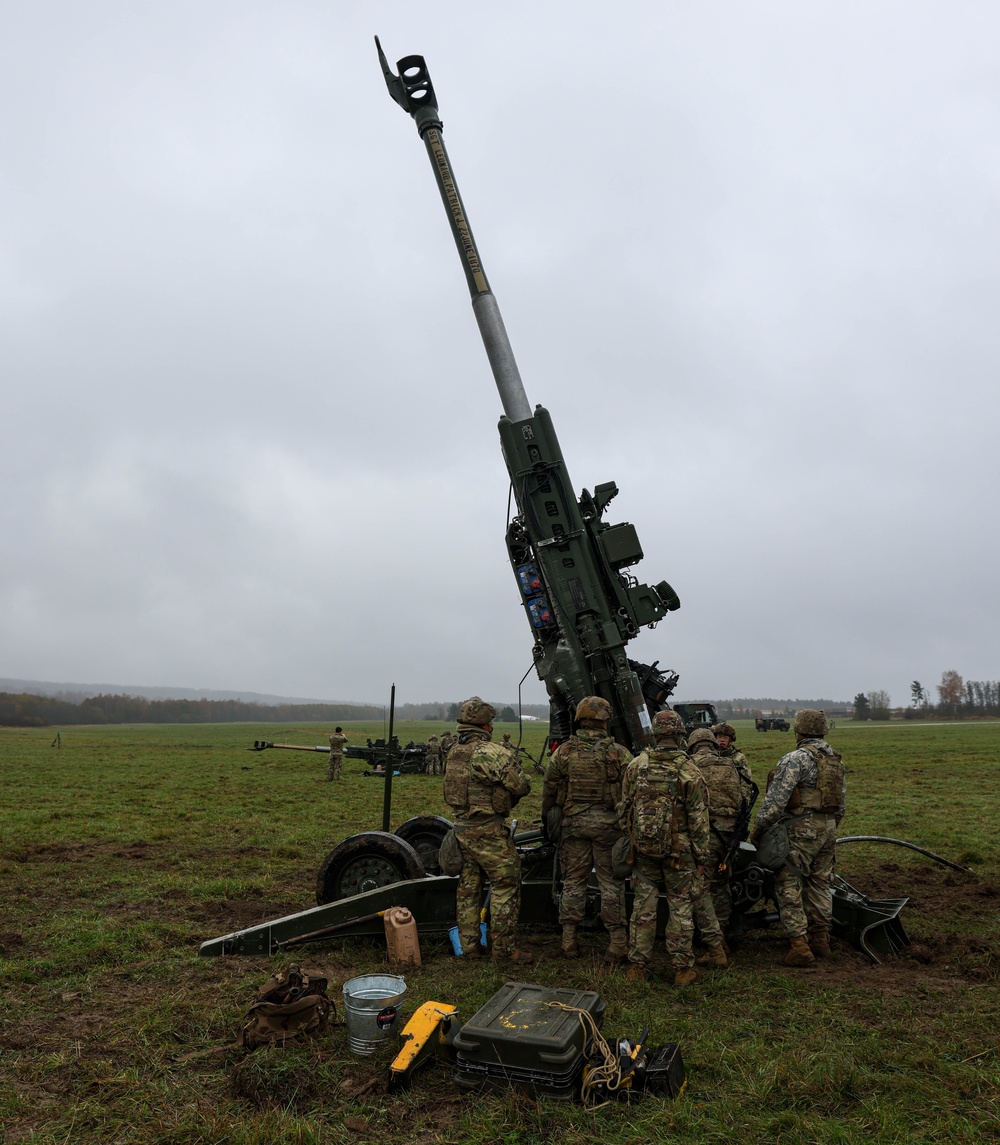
{"points": [[747, 257]]}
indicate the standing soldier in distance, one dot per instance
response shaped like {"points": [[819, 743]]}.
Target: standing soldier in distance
{"points": [[664, 809], [584, 781], [433, 755], [337, 742], [810, 786], [482, 783], [447, 743]]}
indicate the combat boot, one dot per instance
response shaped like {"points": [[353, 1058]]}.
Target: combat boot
{"points": [[714, 956], [799, 954], [819, 943], [636, 972], [518, 957], [686, 975], [570, 947], [618, 947]]}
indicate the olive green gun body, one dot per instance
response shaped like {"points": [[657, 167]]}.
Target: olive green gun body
{"points": [[582, 603]]}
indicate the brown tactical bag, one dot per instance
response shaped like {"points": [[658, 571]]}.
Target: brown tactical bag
{"points": [[289, 1007]]}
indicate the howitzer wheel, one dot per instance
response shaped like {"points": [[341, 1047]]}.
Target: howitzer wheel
{"points": [[365, 862], [424, 833]]}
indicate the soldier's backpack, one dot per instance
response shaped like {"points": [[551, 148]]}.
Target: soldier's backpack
{"points": [[656, 791], [826, 796], [289, 1007]]}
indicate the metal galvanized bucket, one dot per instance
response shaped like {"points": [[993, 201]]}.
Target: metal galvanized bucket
{"points": [[374, 1006]]}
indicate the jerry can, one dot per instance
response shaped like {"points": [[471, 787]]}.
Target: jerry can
{"points": [[401, 937]]}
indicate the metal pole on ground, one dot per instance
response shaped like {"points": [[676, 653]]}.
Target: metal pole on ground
{"points": [[390, 763]]}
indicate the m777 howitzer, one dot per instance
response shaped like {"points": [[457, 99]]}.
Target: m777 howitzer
{"points": [[583, 608], [582, 604], [408, 760]]}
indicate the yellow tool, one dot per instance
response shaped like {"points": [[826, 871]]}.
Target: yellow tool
{"points": [[428, 1033]]}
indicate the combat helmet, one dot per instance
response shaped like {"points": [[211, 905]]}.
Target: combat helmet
{"points": [[724, 729], [700, 736], [476, 711], [593, 708], [668, 724], [810, 722]]}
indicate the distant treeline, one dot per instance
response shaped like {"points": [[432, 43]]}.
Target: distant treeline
{"points": [[748, 709], [28, 711], [25, 711]]}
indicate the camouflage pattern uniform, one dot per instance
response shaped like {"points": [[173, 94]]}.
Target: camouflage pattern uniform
{"points": [[731, 752], [433, 756], [447, 743], [337, 742], [482, 783], [664, 809], [726, 792], [809, 785], [584, 778]]}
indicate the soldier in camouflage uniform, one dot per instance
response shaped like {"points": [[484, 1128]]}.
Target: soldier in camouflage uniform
{"points": [[433, 755], [725, 736], [584, 780], [809, 787], [664, 809], [337, 743], [482, 783], [728, 786], [447, 743]]}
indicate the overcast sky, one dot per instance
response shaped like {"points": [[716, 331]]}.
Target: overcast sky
{"points": [[747, 254]]}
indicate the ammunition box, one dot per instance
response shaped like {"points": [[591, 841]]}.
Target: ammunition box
{"points": [[518, 1038]]}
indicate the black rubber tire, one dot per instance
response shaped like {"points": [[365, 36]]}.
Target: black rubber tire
{"points": [[424, 833], [363, 863]]}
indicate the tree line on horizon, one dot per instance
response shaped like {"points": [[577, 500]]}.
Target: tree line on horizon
{"points": [[28, 710], [956, 698]]}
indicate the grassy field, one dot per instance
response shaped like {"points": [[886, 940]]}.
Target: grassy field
{"points": [[123, 849]]}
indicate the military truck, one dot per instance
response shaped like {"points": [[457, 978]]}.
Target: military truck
{"points": [[772, 724], [696, 715]]}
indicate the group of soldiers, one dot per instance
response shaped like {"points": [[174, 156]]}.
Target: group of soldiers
{"points": [[672, 809], [437, 752]]}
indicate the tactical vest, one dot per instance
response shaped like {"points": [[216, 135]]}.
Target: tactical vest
{"points": [[825, 797], [592, 779], [725, 795], [655, 827], [463, 790]]}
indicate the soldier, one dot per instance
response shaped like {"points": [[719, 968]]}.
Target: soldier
{"points": [[506, 740], [482, 783], [725, 736], [724, 781], [584, 780], [809, 785], [664, 809], [433, 755], [447, 743], [337, 742]]}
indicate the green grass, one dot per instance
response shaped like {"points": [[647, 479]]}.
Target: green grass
{"points": [[123, 850]]}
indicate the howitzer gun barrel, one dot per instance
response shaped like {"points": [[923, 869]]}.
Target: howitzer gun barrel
{"points": [[263, 745], [413, 91]]}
